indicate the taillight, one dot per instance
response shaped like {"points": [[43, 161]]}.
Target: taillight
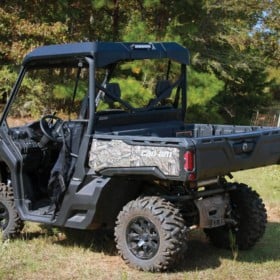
{"points": [[189, 165], [189, 161]]}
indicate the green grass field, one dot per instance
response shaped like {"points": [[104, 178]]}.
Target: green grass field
{"points": [[41, 253]]}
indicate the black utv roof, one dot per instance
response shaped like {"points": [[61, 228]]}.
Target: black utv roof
{"points": [[105, 53]]}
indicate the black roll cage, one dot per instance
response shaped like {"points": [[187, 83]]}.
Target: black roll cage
{"points": [[101, 55]]}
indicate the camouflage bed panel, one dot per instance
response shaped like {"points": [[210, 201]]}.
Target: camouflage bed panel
{"points": [[116, 153]]}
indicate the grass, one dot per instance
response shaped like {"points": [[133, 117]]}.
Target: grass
{"points": [[41, 253]]}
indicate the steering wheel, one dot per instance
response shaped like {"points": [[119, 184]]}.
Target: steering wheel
{"points": [[52, 127]]}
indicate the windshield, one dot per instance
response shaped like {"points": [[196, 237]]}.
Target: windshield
{"points": [[49, 91]]}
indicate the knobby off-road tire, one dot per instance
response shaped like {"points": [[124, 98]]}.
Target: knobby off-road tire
{"points": [[10, 222], [150, 234], [249, 212]]}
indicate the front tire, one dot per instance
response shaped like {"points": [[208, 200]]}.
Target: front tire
{"points": [[249, 212], [150, 234], [10, 222]]}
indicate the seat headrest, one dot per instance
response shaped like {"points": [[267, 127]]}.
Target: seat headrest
{"points": [[114, 90], [163, 86]]}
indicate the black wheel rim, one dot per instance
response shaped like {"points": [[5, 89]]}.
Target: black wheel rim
{"points": [[4, 216], [142, 238]]}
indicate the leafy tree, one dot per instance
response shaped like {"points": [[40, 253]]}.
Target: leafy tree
{"points": [[19, 35], [234, 44], [226, 45]]}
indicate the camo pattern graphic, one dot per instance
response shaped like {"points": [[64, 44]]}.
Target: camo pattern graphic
{"points": [[116, 153]]}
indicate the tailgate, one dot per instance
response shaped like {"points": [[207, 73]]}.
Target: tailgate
{"points": [[220, 155]]}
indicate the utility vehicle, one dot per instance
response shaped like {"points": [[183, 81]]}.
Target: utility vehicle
{"points": [[103, 162]]}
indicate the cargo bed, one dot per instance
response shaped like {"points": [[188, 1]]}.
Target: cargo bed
{"points": [[218, 149]]}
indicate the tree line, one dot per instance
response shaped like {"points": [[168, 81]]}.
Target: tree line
{"points": [[234, 45]]}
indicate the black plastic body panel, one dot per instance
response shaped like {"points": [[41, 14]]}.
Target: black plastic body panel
{"points": [[220, 155], [79, 204]]}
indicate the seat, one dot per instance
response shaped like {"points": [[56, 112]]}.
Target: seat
{"points": [[163, 91], [115, 91]]}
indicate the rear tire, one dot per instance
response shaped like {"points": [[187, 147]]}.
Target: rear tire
{"points": [[248, 210], [150, 234], [10, 222]]}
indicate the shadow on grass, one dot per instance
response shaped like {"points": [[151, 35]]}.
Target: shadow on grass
{"points": [[201, 255], [97, 240]]}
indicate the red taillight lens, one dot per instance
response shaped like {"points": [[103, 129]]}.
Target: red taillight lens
{"points": [[189, 161]]}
